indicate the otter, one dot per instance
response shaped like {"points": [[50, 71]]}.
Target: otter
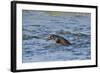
{"points": [[59, 39]]}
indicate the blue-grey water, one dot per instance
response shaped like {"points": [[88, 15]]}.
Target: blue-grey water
{"points": [[38, 25]]}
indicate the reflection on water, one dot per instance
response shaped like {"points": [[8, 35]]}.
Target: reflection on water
{"points": [[37, 25]]}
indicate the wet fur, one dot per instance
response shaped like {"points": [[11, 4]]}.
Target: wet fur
{"points": [[59, 39]]}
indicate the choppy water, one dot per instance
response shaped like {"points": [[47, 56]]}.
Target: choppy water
{"points": [[37, 25]]}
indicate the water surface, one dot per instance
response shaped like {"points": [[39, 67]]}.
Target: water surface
{"points": [[37, 25]]}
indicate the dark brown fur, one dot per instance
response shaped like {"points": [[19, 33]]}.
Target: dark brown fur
{"points": [[59, 39]]}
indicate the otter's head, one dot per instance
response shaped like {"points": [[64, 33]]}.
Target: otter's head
{"points": [[52, 37]]}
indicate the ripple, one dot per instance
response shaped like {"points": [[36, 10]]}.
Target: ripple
{"points": [[37, 25]]}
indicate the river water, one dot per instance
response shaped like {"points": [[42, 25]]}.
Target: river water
{"points": [[37, 25]]}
